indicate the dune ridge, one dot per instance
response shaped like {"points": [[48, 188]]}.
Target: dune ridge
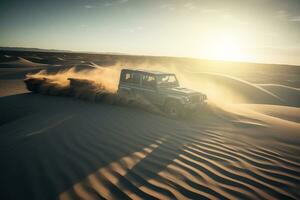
{"points": [[247, 91], [288, 93], [21, 63]]}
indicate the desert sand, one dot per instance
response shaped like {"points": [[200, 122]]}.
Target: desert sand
{"points": [[244, 145]]}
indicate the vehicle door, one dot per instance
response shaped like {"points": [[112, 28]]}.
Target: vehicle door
{"points": [[130, 82], [136, 84], [148, 85]]}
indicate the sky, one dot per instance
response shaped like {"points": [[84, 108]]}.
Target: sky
{"points": [[266, 31]]}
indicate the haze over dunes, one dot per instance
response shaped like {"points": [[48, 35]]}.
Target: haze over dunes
{"points": [[244, 145]]}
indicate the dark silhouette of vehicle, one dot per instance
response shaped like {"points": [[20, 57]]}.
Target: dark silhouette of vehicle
{"points": [[161, 89]]}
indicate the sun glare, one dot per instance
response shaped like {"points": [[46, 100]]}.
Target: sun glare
{"points": [[225, 46]]}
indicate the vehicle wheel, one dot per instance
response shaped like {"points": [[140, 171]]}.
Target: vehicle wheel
{"points": [[174, 109], [126, 97]]}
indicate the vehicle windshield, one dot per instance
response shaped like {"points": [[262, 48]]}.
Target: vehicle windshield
{"points": [[167, 80]]}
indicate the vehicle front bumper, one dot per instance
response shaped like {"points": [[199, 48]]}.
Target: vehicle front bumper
{"points": [[194, 106]]}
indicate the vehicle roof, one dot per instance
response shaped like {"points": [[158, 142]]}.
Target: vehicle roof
{"points": [[147, 71]]}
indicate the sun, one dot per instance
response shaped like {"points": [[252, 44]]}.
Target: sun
{"points": [[225, 46]]}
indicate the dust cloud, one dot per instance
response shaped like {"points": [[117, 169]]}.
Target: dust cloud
{"points": [[98, 85], [107, 77], [101, 84]]}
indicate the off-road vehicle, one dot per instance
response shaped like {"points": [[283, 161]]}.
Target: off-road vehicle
{"points": [[161, 89]]}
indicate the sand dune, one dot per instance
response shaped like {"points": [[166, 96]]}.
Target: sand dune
{"points": [[49, 60], [20, 63], [119, 153], [54, 147], [12, 87], [7, 58], [87, 66], [246, 91], [282, 112], [289, 94]]}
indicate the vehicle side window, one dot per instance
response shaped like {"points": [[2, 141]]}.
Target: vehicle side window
{"points": [[130, 77], [149, 81], [136, 78], [169, 79]]}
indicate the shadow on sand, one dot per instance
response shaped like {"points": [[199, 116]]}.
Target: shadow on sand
{"points": [[50, 143]]}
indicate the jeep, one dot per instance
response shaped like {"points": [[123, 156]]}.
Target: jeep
{"points": [[161, 89]]}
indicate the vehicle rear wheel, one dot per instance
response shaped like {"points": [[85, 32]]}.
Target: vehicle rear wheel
{"points": [[126, 97], [174, 109]]}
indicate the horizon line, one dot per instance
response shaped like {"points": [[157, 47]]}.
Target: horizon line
{"points": [[128, 54]]}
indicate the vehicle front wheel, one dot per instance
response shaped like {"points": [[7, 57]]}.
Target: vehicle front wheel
{"points": [[174, 109]]}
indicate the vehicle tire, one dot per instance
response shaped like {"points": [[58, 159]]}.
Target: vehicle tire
{"points": [[174, 109], [123, 94], [126, 97]]}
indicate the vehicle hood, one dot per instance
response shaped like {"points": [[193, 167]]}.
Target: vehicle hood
{"points": [[179, 91]]}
